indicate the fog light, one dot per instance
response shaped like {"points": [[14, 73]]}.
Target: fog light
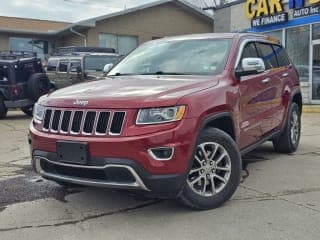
{"points": [[161, 153]]}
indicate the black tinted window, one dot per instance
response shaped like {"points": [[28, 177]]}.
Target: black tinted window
{"points": [[75, 66], [52, 65], [268, 55], [281, 55], [98, 62], [63, 66], [3, 74], [26, 69], [249, 51]]}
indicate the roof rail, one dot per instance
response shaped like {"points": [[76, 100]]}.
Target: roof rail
{"points": [[13, 55], [77, 50]]}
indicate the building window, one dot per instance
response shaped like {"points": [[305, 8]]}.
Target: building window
{"points": [[123, 44], [29, 45], [316, 31], [297, 45]]}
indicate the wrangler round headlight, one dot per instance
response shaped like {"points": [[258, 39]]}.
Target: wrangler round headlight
{"points": [[160, 115]]}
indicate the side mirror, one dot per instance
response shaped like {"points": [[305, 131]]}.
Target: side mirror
{"points": [[107, 68], [250, 66]]}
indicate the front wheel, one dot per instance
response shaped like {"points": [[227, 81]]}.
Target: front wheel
{"points": [[289, 139], [215, 172]]}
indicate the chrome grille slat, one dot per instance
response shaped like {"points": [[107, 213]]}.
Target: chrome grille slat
{"points": [[84, 122], [55, 120], [77, 122], [65, 121], [103, 123], [46, 121], [117, 123], [89, 121]]}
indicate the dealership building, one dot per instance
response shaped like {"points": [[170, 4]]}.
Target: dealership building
{"points": [[296, 23], [123, 30]]}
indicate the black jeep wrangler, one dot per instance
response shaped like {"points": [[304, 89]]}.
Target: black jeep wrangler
{"points": [[22, 81]]}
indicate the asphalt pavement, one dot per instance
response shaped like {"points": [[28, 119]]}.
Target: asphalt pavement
{"points": [[279, 198]]}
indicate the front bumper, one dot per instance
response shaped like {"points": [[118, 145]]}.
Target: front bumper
{"points": [[154, 177], [19, 103], [110, 173]]}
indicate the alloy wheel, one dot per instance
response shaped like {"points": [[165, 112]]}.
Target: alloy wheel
{"points": [[211, 169], [295, 127]]}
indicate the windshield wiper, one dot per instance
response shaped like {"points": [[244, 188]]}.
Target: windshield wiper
{"points": [[164, 73], [120, 74]]}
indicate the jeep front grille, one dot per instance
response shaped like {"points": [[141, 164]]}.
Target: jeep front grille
{"points": [[85, 122]]}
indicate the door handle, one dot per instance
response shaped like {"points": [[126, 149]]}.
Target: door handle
{"points": [[285, 75], [266, 80]]}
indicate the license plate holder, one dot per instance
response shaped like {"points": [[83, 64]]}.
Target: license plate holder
{"points": [[72, 152]]}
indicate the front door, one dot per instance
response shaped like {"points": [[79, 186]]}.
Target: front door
{"points": [[62, 78], [315, 72]]}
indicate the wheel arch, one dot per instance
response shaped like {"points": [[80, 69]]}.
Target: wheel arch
{"points": [[297, 98], [223, 121]]}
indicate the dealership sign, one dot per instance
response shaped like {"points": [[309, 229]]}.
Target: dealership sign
{"points": [[266, 12], [300, 11]]}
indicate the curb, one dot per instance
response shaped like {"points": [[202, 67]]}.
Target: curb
{"points": [[311, 108]]}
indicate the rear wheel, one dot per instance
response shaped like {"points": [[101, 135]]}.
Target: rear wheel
{"points": [[215, 172], [38, 85], [289, 139], [3, 108]]}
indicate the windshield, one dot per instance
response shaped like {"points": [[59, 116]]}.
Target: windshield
{"points": [[199, 57], [97, 63]]}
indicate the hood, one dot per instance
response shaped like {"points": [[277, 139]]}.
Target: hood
{"points": [[129, 92]]}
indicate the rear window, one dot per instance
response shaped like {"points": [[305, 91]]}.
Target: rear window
{"points": [[3, 74], [75, 66], [25, 69], [282, 56], [63, 66], [98, 62], [268, 55], [52, 65]]}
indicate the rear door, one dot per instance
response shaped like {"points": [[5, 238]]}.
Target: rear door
{"points": [[62, 77], [272, 104], [52, 69], [76, 71], [252, 90]]}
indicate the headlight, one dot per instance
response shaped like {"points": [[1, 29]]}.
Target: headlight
{"points": [[160, 115], [38, 112]]}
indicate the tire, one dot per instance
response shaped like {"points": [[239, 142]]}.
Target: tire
{"points": [[28, 110], [38, 85], [215, 143], [289, 139], [3, 108]]}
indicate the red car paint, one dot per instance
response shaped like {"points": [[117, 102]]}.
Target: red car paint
{"points": [[257, 109]]}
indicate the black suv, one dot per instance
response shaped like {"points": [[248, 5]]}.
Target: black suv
{"points": [[22, 81]]}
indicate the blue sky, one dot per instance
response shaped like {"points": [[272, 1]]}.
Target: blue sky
{"points": [[70, 10]]}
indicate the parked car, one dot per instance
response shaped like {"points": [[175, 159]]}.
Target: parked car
{"points": [[66, 70], [22, 81], [172, 119]]}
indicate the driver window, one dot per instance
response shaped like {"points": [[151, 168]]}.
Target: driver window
{"points": [[249, 51], [75, 66]]}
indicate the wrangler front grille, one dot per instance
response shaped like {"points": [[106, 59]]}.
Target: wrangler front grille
{"points": [[85, 122]]}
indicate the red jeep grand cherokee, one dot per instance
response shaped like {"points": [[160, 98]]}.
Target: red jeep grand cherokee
{"points": [[172, 119]]}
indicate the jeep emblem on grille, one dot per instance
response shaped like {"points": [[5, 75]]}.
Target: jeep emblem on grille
{"points": [[81, 102]]}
